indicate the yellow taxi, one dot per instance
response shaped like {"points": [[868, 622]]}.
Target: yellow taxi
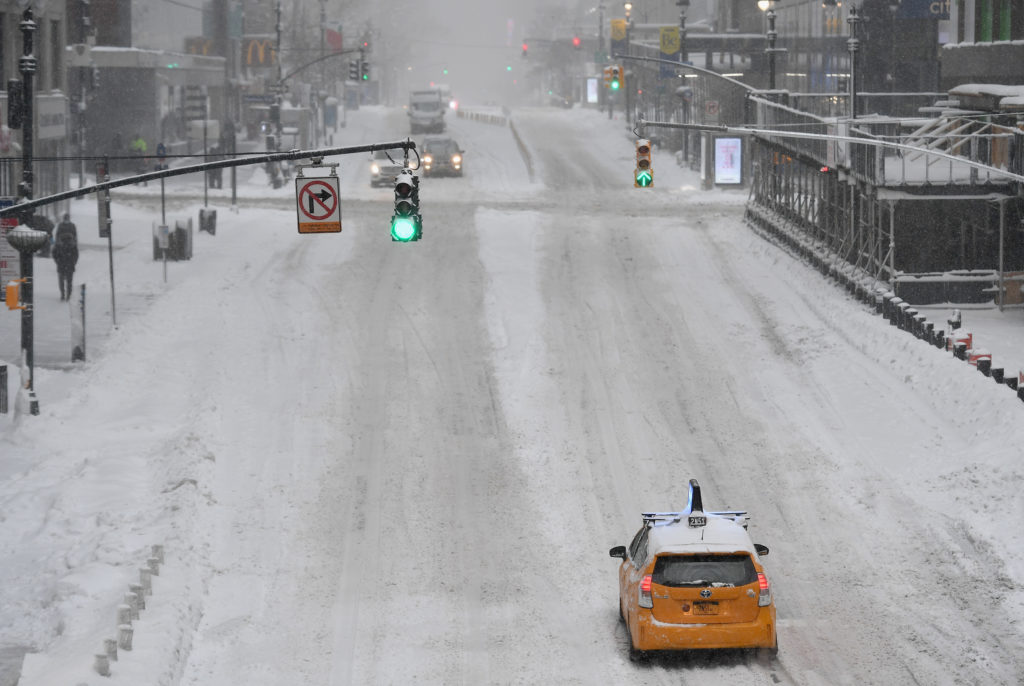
{"points": [[693, 580]]}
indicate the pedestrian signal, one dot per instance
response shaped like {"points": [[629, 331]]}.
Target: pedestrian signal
{"points": [[13, 294], [643, 174], [406, 223]]}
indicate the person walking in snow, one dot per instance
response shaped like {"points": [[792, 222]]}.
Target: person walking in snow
{"points": [[65, 254]]}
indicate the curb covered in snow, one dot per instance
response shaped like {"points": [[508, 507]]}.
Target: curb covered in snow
{"points": [[134, 602], [886, 303]]}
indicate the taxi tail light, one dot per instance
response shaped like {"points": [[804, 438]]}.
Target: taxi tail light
{"points": [[645, 592], [764, 598]]}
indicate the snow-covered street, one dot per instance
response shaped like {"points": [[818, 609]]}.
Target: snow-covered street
{"points": [[380, 463]]}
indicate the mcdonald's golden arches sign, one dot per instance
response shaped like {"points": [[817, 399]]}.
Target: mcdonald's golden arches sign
{"points": [[258, 52]]}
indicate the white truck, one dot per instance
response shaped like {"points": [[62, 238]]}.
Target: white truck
{"points": [[426, 111]]}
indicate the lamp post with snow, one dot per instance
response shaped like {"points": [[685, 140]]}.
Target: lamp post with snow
{"points": [[853, 44], [26, 241], [628, 82], [768, 7]]}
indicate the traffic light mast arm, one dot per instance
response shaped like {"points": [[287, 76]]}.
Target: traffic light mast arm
{"points": [[684, 65], [315, 155], [873, 142], [295, 71]]}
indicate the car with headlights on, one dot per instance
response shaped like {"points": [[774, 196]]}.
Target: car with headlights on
{"points": [[693, 580], [441, 156], [384, 168]]}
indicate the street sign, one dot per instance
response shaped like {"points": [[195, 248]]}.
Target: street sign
{"points": [[711, 111], [10, 266], [318, 205]]}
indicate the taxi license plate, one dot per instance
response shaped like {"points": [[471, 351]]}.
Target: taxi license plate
{"points": [[705, 608]]}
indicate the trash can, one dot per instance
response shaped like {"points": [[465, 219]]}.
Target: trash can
{"points": [[180, 241], [208, 221]]}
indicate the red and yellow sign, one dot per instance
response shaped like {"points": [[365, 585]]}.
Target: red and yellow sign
{"points": [[258, 52]]}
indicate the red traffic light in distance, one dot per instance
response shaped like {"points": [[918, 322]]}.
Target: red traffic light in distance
{"points": [[575, 41], [525, 48]]}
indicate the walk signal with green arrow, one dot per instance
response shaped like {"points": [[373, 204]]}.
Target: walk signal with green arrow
{"points": [[643, 174]]}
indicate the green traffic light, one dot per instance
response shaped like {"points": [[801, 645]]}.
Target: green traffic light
{"points": [[643, 178], [403, 229], [508, 68], [615, 85]]}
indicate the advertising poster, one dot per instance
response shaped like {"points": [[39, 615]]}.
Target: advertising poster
{"points": [[728, 160]]}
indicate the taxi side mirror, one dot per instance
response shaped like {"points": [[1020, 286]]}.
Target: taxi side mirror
{"points": [[618, 551], [762, 550]]}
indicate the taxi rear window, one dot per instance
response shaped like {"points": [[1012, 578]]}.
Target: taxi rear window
{"points": [[704, 570]]}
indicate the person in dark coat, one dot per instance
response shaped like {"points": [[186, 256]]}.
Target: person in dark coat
{"points": [[65, 254]]}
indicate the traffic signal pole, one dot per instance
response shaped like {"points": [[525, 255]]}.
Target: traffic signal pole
{"points": [[641, 124], [315, 155]]}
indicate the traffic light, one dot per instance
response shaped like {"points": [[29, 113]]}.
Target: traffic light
{"points": [[576, 42], [353, 70], [364, 70], [526, 49], [406, 223], [616, 83], [643, 175]]}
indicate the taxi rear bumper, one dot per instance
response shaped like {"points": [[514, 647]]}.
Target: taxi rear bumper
{"points": [[654, 635]]}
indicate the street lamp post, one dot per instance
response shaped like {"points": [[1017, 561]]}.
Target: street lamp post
{"points": [[628, 7], [853, 44], [26, 241], [683, 4], [768, 7], [27, 66]]}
